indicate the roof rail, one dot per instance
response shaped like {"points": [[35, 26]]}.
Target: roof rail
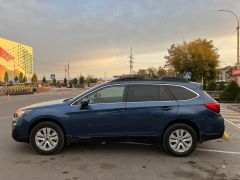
{"points": [[129, 79], [173, 79], [169, 79]]}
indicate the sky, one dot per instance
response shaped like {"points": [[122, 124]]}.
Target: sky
{"points": [[95, 36]]}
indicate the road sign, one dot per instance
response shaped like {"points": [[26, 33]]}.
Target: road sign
{"points": [[187, 75], [52, 76]]}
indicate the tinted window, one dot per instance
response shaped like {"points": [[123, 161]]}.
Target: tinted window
{"points": [[107, 95], [181, 93], [164, 94], [138, 93]]}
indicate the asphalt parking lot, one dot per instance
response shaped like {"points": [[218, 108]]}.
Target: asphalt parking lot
{"points": [[218, 159]]}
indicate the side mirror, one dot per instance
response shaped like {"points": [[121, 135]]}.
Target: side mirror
{"points": [[84, 104]]}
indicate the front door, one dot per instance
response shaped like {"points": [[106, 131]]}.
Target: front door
{"points": [[104, 115]]}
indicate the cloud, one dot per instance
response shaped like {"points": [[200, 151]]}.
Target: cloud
{"points": [[86, 33]]}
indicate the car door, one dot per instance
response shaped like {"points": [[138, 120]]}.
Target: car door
{"points": [[148, 108], [104, 115]]}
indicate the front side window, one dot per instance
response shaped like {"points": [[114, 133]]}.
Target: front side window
{"points": [[111, 94], [181, 93], [139, 93]]}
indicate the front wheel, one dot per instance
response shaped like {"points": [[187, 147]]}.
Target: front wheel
{"points": [[47, 138], [180, 140]]}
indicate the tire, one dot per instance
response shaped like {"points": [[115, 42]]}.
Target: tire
{"points": [[180, 140], [47, 138]]}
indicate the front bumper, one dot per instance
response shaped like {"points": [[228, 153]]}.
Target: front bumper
{"points": [[18, 131], [17, 137]]}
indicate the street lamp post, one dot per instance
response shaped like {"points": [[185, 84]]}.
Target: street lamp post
{"points": [[238, 65]]}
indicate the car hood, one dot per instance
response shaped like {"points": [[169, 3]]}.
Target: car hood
{"points": [[46, 104]]}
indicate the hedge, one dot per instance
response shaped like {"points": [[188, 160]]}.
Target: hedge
{"points": [[16, 90]]}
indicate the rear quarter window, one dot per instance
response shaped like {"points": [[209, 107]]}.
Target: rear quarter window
{"points": [[181, 93]]}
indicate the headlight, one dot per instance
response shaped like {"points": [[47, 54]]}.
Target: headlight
{"points": [[21, 113]]}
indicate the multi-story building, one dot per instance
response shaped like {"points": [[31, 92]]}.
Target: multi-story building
{"points": [[15, 58]]}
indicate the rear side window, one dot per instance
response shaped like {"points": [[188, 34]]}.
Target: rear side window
{"points": [[138, 93], [164, 94], [181, 93]]}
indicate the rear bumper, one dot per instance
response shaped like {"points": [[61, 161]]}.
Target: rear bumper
{"points": [[207, 137]]}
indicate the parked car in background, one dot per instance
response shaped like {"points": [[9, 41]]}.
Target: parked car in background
{"points": [[170, 111]]}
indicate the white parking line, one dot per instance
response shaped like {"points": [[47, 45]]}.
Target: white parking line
{"points": [[232, 123], [6, 117], [218, 151]]}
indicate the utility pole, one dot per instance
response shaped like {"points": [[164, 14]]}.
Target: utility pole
{"points": [[14, 71], [105, 76], [131, 63], [65, 71], [238, 65], [68, 68]]}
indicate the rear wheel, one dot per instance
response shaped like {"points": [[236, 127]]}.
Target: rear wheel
{"points": [[180, 140], [47, 138]]}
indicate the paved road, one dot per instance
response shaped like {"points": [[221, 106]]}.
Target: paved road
{"points": [[218, 159]]}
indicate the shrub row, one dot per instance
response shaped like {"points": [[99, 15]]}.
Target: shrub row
{"points": [[16, 90]]}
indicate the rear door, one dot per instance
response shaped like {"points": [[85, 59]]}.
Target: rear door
{"points": [[148, 108]]}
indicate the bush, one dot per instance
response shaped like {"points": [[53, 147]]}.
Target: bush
{"points": [[238, 98], [220, 86], [17, 90], [230, 92], [212, 86]]}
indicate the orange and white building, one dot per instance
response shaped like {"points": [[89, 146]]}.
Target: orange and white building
{"points": [[15, 58]]}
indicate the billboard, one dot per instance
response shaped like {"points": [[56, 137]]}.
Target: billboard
{"points": [[236, 74], [15, 58]]}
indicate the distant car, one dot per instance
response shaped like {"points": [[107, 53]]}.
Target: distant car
{"points": [[172, 112]]}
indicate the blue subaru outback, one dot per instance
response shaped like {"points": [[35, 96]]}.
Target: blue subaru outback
{"points": [[171, 112]]}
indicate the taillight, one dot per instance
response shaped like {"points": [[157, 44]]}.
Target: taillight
{"points": [[213, 106]]}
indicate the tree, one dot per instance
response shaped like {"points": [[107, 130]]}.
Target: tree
{"points": [[89, 80], [6, 78], [199, 57], [74, 82], [16, 78], [230, 92], [34, 78], [24, 79], [142, 73], [21, 77], [161, 71], [44, 79], [81, 80], [58, 84], [212, 86], [152, 72], [65, 82]]}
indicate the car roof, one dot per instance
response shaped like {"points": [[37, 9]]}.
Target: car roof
{"points": [[163, 80], [166, 80]]}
